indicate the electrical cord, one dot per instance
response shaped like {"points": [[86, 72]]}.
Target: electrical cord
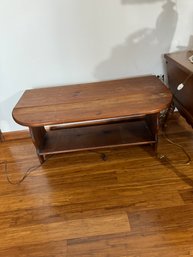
{"points": [[27, 173], [189, 160], [5, 164], [103, 157], [165, 135], [33, 168], [163, 156], [169, 112]]}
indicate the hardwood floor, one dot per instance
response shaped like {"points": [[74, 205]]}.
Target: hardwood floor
{"points": [[131, 205]]}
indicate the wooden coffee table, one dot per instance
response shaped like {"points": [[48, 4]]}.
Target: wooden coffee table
{"points": [[94, 115]]}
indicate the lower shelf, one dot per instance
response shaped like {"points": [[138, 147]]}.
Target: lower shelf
{"points": [[93, 137]]}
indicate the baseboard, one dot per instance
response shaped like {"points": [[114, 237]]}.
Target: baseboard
{"points": [[14, 135]]}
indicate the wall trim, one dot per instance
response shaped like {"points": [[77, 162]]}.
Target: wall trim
{"points": [[14, 135]]}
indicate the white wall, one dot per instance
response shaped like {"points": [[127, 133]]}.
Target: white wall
{"points": [[57, 42]]}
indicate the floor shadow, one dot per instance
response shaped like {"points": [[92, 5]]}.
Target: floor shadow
{"points": [[142, 51], [176, 166], [179, 172]]}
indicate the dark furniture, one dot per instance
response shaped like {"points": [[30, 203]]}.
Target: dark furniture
{"points": [[94, 115], [1, 136], [180, 79]]}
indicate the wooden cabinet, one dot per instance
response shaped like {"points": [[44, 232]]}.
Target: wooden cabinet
{"points": [[180, 79]]}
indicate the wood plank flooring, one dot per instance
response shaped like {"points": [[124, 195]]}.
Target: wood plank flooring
{"points": [[77, 204]]}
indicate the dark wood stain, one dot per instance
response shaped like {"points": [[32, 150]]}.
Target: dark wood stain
{"points": [[87, 110], [180, 70]]}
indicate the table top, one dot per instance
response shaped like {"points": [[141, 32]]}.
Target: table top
{"points": [[181, 59], [115, 99]]}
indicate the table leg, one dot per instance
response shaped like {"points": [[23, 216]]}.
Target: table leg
{"points": [[37, 135], [1, 136], [164, 118], [153, 124]]}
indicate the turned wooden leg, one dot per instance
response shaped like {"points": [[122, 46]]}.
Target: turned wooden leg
{"points": [[41, 158], [37, 135]]}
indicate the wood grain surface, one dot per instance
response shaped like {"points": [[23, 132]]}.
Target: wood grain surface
{"points": [[95, 137], [76, 204], [92, 101], [180, 72], [181, 60]]}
